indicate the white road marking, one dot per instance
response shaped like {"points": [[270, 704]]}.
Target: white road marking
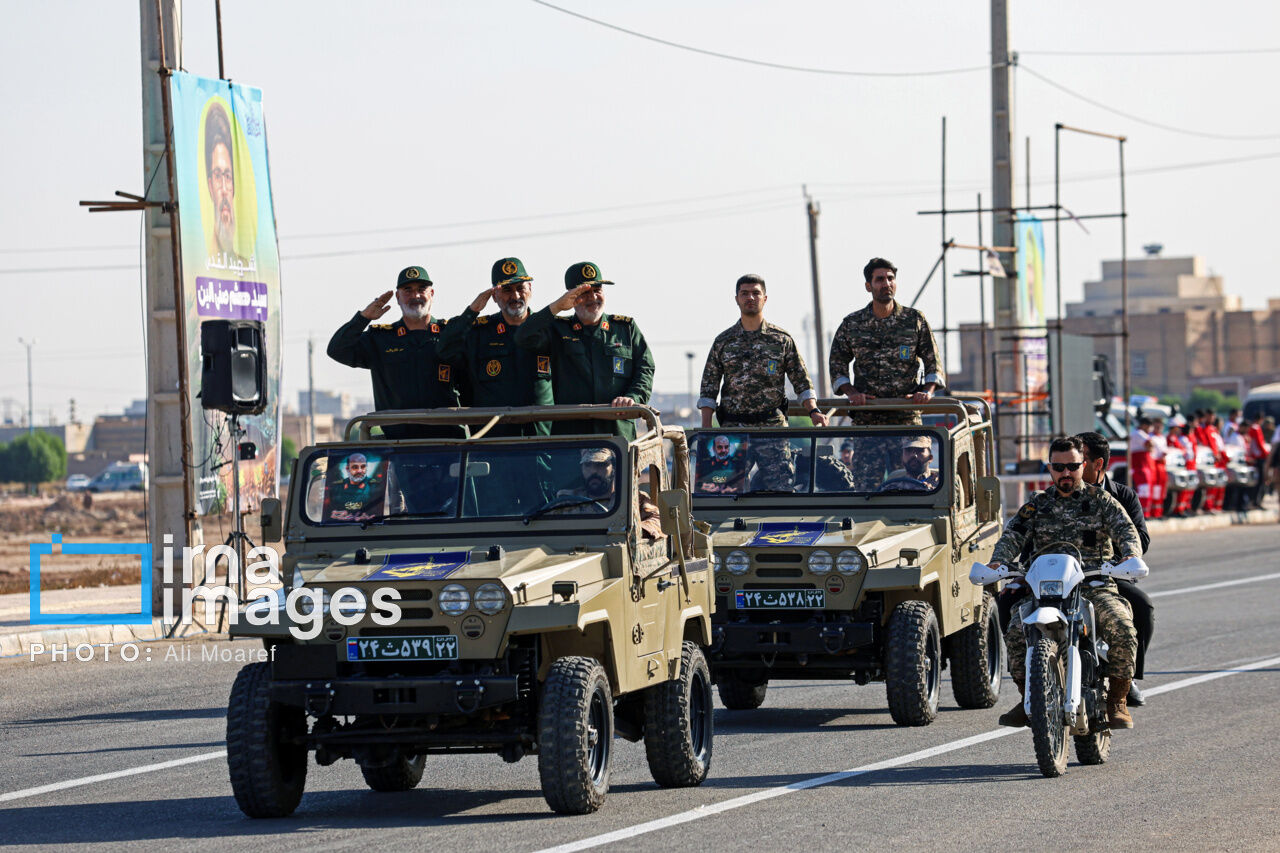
{"points": [[117, 774], [1218, 585], [816, 781]]}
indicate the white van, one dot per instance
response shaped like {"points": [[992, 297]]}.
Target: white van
{"points": [[1264, 399], [121, 477]]}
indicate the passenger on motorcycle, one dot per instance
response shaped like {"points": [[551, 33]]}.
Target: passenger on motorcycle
{"points": [[1089, 519]]}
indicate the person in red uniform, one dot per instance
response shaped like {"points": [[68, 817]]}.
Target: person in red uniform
{"points": [[1143, 470], [1214, 441], [1179, 440], [1160, 471]]}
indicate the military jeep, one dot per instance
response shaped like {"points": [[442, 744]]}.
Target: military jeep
{"points": [[843, 551], [549, 592]]}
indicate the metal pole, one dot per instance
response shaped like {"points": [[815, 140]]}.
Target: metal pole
{"points": [[982, 295], [1057, 274], [1003, 290], [217, 14], [1124, 315], [689, 357], [946, 326], [31, 412], [311, 395], [1026, 175], [811, 211]]}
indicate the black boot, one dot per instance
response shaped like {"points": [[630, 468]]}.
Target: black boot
{"points": [[1136, 699]]}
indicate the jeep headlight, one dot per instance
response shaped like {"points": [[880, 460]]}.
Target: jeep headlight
{"points": [[489, 598], [295, 580], [849, 562], [820, 562], [348, 607], [715, 561], [1050, 588], [454, 599], [305, 605], [738, 562]]}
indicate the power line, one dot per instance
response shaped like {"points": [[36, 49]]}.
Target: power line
{"points": [[1148, 122], [1219, 52], [838, 72]]}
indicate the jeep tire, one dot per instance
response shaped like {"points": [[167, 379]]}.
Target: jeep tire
{"points": [[977, 659], [268, 769], [403, 773], [738, 694], [913, 664], [678, 723], [575, 735]]}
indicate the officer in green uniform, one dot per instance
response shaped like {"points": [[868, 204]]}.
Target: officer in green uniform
{"points": [[498, 372], [403, 357], [595, 357], [356, 496]]}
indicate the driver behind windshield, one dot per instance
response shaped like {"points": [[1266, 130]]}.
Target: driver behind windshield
{"points": [[917, 453], [598, 488]]}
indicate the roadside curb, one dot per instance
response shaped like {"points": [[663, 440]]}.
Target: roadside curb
{"points": [[1211, 522], [19, 645]]}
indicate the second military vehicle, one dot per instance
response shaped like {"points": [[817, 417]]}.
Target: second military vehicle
{"points": [[515, 595], [843, 552]]}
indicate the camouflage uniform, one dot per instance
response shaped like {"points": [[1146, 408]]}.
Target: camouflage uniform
{"points": [[748, 372], [1092, 520], [887, 355]]}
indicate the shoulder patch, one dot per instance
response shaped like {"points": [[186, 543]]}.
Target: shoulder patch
{"points": [[621, 318], [1028, 510], [482, 321]]}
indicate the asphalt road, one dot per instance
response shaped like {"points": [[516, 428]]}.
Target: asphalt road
{"points": [[1200, 770]]}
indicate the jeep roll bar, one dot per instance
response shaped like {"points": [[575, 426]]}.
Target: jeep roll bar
{"points": [[479, 421]]}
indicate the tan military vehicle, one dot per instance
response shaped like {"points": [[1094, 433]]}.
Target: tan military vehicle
{"points": [[518, 596], [844, 552]]}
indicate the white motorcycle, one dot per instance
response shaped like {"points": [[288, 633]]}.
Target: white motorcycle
{"points": [[1066, 690]]}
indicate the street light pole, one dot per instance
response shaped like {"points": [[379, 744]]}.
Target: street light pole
{"points": [[689, 357], [31, 412]]}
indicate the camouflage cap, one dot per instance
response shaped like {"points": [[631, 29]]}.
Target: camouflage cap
{"points": [[583, 272], [596, 454], [917, 441], [508, 271], [413, 275]]}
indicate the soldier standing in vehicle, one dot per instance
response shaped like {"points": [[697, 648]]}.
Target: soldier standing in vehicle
{"points": [[498, 372], [1092, 520], [403, 357], [595, 358], [747, 370], [889, 345]]}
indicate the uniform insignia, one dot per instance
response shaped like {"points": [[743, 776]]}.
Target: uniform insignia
{"points": [[544, 364], [482, 321], [622, 318], [401, 332], [493, 368], [411, 272], [588, 271], [619, 363], [380, 326], [435, 328], [509, 268], [771, 367], [904, 352], [395, 349], [1027, 511], [577, 327], [604, 324], [502, 329], [442, 373]]}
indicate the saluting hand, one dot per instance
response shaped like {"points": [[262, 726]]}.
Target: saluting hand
{"points": [[570, 298], [477, 304], [378, 307]]}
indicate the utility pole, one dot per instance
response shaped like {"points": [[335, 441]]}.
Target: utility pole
{"points": [[311, 395], [689, 357], [31, 411], [1003, 289], [812, 210]]}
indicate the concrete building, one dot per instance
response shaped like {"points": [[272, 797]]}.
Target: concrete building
{"points": [[119, 436], [339, 404], [1156, 286]]}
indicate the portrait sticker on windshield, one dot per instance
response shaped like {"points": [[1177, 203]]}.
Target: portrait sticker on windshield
{"points": [[419, 567], [782, 533]]}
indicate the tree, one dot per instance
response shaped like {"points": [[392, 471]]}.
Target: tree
{"points": [[34, 458], [1214, 401], [289, 452]]}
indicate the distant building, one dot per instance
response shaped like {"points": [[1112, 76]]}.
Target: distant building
{"points": [[339, 404], [1156, 286], [119, 436]]}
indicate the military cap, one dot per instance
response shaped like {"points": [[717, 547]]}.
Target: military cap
{"points": [[595, 454], [583, 272], [413, 275], [508, 271], [918, 441]]}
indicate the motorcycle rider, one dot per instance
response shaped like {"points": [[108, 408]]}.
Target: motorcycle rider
{"points": [[1089, 518]]}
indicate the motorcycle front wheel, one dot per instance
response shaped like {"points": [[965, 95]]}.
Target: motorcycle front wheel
{"points": [[1046, 688]]}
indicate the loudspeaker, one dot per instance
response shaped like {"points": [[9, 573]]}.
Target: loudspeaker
{"points": [[233, 374]]}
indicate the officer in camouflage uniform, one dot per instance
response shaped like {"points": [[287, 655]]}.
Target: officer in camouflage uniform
{"points": [[1089, 518], [887, 343], [403, 357], [499, 373], [595, 357], [747, 369]]}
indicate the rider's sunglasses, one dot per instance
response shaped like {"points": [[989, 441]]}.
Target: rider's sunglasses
{"points": [[1065, 466]]}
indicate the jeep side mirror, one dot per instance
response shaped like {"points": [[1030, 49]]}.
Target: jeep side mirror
{"points": [[674, 506], [272, 520], [988, 499]]}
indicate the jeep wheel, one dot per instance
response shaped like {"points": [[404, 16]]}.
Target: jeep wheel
{"points": [[268, 769], [913, 664], [977, 659], [402, 774], [575, 735], [737, 694], [677, 724]]}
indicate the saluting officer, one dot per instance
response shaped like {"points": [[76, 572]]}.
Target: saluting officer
{"points": [[403, 357], [747, 369], [595, 358], [499, 373]]}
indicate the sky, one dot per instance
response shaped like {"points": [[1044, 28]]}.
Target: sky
{"points": [[450, 134]]}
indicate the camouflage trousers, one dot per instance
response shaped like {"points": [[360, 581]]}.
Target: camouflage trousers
{"points": [[1115, 625], [773, 457], [877, 456]]}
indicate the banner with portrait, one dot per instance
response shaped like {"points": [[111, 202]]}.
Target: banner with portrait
{"points": [[1032, 343], [230, 270]]}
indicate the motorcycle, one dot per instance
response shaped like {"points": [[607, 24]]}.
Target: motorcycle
{"points": [[1066, 691]]}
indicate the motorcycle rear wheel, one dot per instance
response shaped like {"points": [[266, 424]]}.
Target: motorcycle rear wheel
{"points": [[1046, 688], [1095, 747]]}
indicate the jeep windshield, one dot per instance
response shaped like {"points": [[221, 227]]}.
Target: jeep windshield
{"points": [[734, 464], [397, 485]]}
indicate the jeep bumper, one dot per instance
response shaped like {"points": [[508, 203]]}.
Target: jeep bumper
{"points": [[731, 640], [441, 694]]}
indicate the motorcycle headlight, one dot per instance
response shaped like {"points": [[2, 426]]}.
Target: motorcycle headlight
{"points": [[454, 599], [820, 562], [490, 598], [1050, 588], [738, 562], [849, 562]]}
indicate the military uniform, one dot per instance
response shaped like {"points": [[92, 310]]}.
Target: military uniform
{"points": [[352, 500], [407, 369], [1092, 520], [499, 373], [748, 372], [725, 474], [591, 364]]}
